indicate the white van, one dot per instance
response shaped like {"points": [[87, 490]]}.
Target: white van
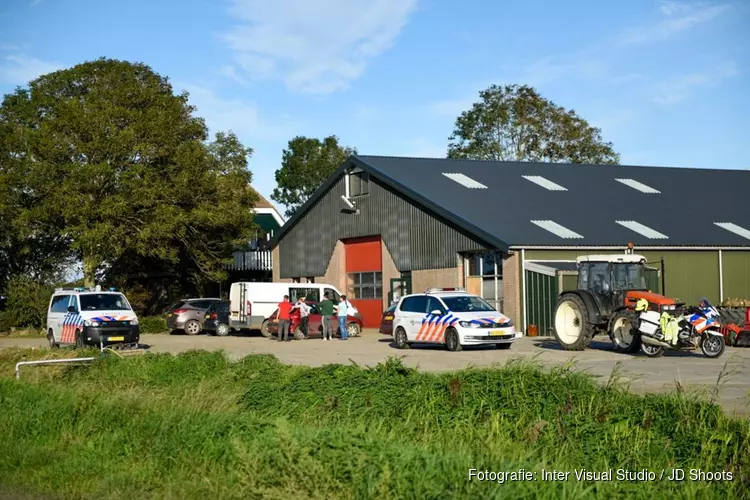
{"points": [[87, 316], [253, 303]]}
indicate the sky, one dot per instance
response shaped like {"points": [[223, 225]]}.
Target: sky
{"points": [[666, 81]]}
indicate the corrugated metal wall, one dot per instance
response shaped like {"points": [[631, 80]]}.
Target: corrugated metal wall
{"points": [[415, 239]]}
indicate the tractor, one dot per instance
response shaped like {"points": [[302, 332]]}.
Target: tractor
{"points": [[608, 288]]}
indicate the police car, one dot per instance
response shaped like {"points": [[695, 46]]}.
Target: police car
{"points": [[90, 316], [452, 317]]}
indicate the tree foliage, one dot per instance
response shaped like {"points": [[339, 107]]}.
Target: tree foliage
{"points": [[306, 163], [515, 123], [106, 162]]}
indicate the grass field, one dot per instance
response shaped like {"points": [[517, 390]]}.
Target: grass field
{"points": [[197, 426]]}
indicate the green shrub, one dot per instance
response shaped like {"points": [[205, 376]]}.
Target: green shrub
{"points": [[196, 425], [5, 322], [27, 304], [153, 324]]}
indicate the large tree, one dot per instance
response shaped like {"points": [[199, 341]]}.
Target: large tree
{"points": [[306, 163], [515, 123], [118, 164]]}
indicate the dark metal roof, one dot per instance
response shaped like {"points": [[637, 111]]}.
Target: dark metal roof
{"points": [[688, 204]]}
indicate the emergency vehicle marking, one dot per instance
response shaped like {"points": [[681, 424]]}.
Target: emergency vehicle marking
{"points": [[433, 327], [106, 319], [489, 321], [700, 323], [71, 323]]}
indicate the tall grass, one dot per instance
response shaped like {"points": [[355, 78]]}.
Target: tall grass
{"points": [[196, 425]]}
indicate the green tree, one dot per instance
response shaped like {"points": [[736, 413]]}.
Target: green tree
{"points": [[120, 166], [515, 123], [305, 164]]}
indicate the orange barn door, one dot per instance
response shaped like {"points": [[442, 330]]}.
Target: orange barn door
{"points": [[364, 268]]}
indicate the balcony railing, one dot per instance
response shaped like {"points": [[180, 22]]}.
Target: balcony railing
{"points": [[252, 260]]}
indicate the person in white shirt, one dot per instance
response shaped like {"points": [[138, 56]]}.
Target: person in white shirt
{"points": [[304, 313]]}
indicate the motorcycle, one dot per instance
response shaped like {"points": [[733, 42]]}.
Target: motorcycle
{"points": [[693, 328]]}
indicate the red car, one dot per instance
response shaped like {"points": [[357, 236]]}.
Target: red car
{"points": [[314, 327], [386, 322]]}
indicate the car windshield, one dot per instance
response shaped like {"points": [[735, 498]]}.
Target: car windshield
{"points": [[104, 302], [467, 303], [629, 277]]}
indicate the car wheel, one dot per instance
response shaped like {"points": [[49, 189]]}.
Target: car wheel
{"points": [[51, 340], [192, 327], [451, 340], [353, 329], [222, 330], [504, 346], [79, 340], [402, 342], [265, 331]]}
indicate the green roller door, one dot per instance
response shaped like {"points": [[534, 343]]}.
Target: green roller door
{"points": [[541, 297]]}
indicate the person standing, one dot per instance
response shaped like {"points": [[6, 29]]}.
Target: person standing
{"points": [[341, 311], [285, 311], [326, 308], [304, 312]]}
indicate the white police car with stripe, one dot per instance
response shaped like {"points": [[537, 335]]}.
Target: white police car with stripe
{"points": [[91, 316], [452, 317]]}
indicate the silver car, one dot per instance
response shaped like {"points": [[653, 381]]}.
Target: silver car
{"points": [[189, 315]]}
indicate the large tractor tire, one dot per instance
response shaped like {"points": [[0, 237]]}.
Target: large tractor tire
{"points": [[623, 332], [572, 329]]}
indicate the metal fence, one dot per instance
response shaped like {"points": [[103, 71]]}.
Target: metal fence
{"points": [[253, 260]]}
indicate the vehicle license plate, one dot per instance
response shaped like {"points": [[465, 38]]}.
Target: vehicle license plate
{"points": [[116, 339]]}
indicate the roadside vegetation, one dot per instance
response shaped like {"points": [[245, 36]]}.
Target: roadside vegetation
{"points": [[196, 425]]}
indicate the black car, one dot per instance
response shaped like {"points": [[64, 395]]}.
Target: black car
{"points": [[216, 319]]}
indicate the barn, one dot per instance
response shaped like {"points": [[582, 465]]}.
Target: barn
{"points": [[381, 227]]}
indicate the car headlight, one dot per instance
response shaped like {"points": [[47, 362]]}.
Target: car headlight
{"points": [[468, 324], [90, 323], [507, 324], [134, 321]]}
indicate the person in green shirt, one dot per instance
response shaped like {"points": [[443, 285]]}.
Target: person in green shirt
{"points": [[326, 311]]}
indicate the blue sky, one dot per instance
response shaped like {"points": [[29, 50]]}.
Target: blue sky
{"points": [[667, 82]]}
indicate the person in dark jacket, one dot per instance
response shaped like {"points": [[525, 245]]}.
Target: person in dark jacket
{"points": [[326, 317]]}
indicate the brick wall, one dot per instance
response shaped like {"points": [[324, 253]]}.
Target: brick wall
{"points": [[437, 278], [512, 285], [336, 271]]}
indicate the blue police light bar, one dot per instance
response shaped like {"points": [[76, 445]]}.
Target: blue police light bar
{"points": [[112, 289]]}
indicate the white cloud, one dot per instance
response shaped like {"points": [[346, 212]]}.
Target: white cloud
{"points": [[314, 47], [236, 115], [231, 72], [680, 88], [678, 17], [20, 69]]}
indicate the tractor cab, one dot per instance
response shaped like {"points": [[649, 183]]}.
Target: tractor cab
{"points": [[618, 281]]}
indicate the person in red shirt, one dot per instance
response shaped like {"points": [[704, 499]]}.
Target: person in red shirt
{"points": [[285, 310]]}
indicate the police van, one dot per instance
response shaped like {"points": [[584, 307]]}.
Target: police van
{"points": [[451, 317], [90, 316]]}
